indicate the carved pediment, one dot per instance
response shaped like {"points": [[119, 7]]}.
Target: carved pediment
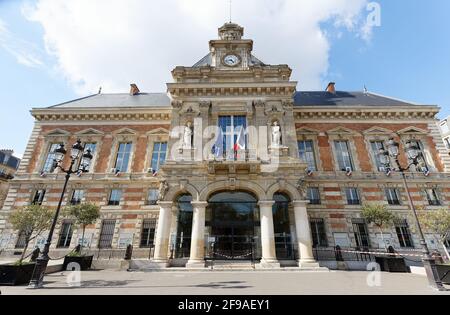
{"points": [[412, 131], [342, 131], [378, 131], [125, 132], [158, 132], [58, 133], [90, 132], [307, 131]]}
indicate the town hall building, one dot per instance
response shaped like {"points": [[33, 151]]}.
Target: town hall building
{"points": [[233, 163]]}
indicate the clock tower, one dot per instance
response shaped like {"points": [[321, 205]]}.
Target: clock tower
{"points": [[231, 51]]}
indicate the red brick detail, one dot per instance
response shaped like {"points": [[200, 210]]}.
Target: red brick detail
{"points": [[129, 216], [127, 226], [337, 216]]}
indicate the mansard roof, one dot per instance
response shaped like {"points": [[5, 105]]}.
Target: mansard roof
{"points": [[301, 99], [342, 98], [118, 100], [207, 61]]}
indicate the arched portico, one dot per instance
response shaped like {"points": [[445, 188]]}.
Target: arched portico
{"points": [[238, 217]]}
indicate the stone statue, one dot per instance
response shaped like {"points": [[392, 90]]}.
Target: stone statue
{"points": [[276, 134], [163, 189], [187, 136], [301, 186]]}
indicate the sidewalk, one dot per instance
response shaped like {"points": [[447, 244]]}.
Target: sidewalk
{"points": [[231, 283]]}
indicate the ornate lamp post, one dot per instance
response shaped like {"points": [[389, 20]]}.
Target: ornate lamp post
{"points": [[77, 152], [415, 155]]}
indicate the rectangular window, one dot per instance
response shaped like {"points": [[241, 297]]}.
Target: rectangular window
{"points": [[319, 236], [393, 196], [447, 143], [306, 152], [49, 165], [65, 236], [313, 195], [344, 157], [114, 197], [352, 196], [376, 146], [77, 197], [361, 234], [148, 233], [21, 240], [158, 155], [123, 157], [432, 196], [422, 153], [152, 197], [85, 163], [38, 197], [403, 233], [231, 127], [107, 233]]}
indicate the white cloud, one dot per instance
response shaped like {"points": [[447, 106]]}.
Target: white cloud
{"points": [[111, 43], [24, 52]]}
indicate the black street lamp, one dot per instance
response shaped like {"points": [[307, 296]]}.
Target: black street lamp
{"points": [[77, 152], [415, 155]]}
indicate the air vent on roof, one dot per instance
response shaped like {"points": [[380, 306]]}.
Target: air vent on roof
{"points": [[134, 89]]}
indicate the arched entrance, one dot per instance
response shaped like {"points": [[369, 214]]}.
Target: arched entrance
{"points": [[282, 227], [232, 223], [182, 243]]}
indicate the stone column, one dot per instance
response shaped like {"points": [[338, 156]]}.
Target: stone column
{"points": [[304, 238], [163, 234], [269, 255], [197, 257]]}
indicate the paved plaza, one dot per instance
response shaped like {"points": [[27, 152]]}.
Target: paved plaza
{"points": [[108, 282]]}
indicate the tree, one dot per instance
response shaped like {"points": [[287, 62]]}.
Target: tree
{"points": [[436, 223], [84, 214], [32, 221], [379, 215]]}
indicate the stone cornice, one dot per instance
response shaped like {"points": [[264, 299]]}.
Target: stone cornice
{"points": [[365, 112], [284, 89], [103, 114], [211, 75]]}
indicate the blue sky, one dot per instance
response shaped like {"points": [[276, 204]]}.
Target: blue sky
{"points": [[44, 63]]}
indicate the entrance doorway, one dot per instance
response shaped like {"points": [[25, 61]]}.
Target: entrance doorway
{"points": [[233, 226]]}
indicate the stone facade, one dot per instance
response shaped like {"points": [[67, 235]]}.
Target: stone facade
{"points": [[231, 82]]}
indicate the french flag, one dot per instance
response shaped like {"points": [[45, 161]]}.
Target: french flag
{"points": [[240, 142]]}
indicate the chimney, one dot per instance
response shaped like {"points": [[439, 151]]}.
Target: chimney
{"points": [[331, 88], [134, 89]]}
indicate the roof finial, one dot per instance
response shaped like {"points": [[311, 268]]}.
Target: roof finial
{"points": [[100, 90], [231, 3]]}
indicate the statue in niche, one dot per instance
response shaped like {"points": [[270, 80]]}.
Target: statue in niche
{"points": [[301, 187], [163, 188], [187, 136], [276, 134]]}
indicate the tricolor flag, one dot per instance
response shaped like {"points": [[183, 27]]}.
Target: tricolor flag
{"points": [[240, 142]]}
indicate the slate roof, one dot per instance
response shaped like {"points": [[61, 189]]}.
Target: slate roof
{"points": [[341, 98], [301, 98], [118, 100]]}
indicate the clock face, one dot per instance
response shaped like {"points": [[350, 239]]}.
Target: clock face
{"points": [[231, 60]]}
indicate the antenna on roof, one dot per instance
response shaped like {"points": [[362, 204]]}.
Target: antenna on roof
{"points": [[100, 90]]}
